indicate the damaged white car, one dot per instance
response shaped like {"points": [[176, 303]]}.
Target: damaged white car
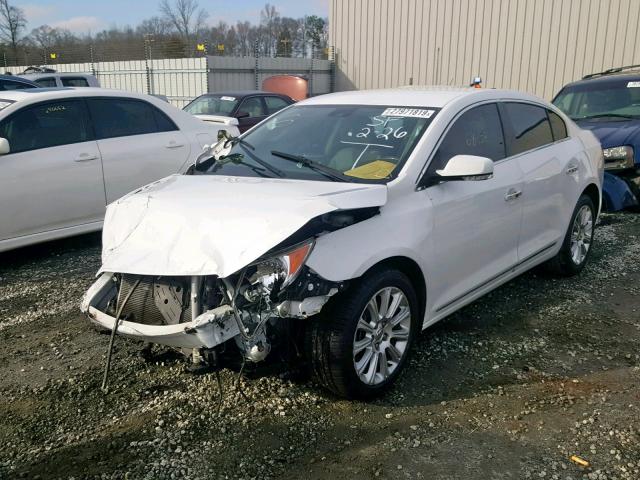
{"points": [[347, 223]]}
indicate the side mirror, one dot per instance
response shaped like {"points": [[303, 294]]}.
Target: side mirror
{"points": [[4, 146], [241, 115], [466, 167]]}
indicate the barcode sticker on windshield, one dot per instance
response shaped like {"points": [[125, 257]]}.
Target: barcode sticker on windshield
{"points": [[633, 85], [228, 99], [408, 112]]}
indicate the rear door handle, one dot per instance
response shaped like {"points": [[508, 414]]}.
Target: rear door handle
{"points": [[512, 194], [85, 157], [571, 169], [174, 144]]}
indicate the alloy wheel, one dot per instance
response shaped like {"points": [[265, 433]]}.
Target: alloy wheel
{"points": [[382, 336], [581, 235]]}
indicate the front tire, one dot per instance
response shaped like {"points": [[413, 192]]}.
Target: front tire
{"points": [[360, 344], [578, 241]]}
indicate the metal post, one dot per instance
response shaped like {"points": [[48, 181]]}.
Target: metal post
{"points": [[93, 67], [206, 64], [332, 69], [255, 53]]}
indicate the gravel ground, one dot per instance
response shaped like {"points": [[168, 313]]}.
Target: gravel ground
{"points": [[508, 388]]}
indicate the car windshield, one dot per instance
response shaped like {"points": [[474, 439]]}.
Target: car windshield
{"points": [[594, 100], [327, 142], [212, 105]]}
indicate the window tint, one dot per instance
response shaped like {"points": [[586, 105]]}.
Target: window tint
{"points": [[476, 132], [46, 125], [530, 127], [558, 127], [74, 81], [274, 104], [253, 106], [46, 82], [11, 85], [120, 117], [165, 124]]}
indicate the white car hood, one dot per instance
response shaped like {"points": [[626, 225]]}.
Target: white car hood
{"points": [[215, 225]]}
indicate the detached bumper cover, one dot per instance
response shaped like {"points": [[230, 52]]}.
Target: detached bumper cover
{"points": [[212, 328]]}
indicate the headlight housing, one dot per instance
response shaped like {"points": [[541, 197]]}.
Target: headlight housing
{"points": [[618, 158], [281, 269]]}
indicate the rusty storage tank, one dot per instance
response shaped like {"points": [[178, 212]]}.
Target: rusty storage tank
{"points": [[295, 86]]}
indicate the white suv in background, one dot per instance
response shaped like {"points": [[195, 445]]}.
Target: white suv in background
{"points": [[65, 154]]}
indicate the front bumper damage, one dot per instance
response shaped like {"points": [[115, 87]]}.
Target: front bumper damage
{"points": [[212, 327]]}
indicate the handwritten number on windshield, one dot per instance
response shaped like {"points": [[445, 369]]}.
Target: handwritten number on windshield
{"points": [[386, 131]]}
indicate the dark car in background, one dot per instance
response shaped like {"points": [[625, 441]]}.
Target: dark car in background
{"points": [[608, 104], [243, 109], [9, 82]]}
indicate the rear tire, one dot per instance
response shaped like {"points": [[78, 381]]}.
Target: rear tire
{"points": [[578, 241], [377, 318]]}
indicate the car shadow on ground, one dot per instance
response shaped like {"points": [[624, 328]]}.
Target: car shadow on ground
{"points": [[46, 251]]}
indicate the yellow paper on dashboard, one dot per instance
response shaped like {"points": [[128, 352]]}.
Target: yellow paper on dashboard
{"points": [[375, 170]]}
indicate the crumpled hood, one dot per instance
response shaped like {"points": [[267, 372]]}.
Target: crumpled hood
{"points": [[614, 133], [215, 225]]}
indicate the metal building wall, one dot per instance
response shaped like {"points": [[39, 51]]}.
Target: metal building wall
{"points": [[531, 45]]}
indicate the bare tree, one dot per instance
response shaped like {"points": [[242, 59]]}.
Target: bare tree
{"points": [[270, 20], [156, 26], [243, 33], [12, 22], [185, 16]]}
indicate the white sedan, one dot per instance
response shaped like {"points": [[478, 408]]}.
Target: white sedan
{"points": [[352, 221], [65, 154]]}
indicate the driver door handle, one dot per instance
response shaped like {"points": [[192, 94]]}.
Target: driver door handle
{"points": [[174, 144], [512, 194], [85, 157]]}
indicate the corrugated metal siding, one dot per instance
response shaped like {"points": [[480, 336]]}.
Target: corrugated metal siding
{"points": [[531, 45]]}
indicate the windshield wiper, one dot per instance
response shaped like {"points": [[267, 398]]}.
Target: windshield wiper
{"points": [[605, 115], [258, 160], [329, 172]]}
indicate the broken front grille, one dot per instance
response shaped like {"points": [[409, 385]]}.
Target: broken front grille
{"points": [[156, 300]]}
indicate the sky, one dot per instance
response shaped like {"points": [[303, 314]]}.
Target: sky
{"points": [[90, 16]]}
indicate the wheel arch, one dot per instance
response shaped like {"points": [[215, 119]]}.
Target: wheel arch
{"points": [[412, 270], [593, 192]]}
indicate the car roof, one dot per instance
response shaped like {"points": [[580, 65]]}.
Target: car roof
{"points": [[54, 74], [38, 94], [609, 79], [241, 93], [423, 96]]}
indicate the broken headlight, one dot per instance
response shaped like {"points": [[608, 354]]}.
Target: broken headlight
{"points": [[617, 158], [277, 272]]}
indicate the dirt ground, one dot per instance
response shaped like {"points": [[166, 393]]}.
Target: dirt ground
{"points": [[508, 388]]}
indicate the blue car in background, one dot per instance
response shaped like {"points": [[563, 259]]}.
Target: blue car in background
{"points": [[608, 104]]}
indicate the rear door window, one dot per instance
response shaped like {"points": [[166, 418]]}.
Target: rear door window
{"points": [[477, 131], [274, 104], [558, 127], [74, 81], [253, 106], [45, 125], [12, 85], [48, 82], [120, 117], [529, 127]]}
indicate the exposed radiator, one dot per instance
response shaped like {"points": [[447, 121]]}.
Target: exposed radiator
{"points": [[156, 300]]}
